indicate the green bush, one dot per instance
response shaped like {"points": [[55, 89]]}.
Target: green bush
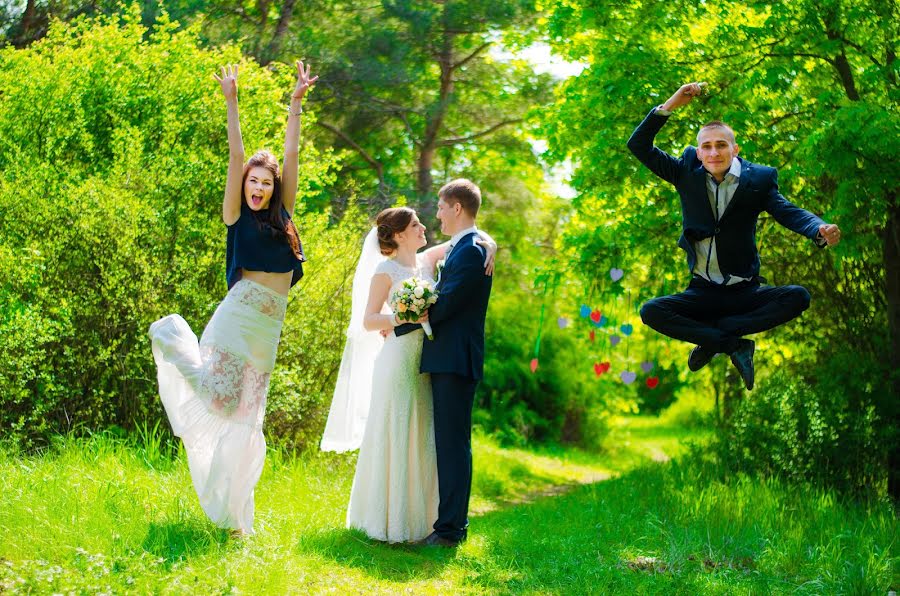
{"points": [[807, 429], [562, 401]]}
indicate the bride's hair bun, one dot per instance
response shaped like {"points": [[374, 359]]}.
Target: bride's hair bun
{"points": [[389, 222]]}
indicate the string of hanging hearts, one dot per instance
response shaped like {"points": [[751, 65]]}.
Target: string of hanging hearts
{"points": [[595, 318]]}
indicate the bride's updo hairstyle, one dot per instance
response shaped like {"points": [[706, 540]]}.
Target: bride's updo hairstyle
{"points": [[389, 222]]}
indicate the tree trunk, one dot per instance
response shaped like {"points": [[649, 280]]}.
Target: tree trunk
{"points": [[284, 20], [891, 414], [425, 201], [29, 25]]}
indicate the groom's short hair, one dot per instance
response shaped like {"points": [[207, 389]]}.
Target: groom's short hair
{"points": [[462, 191], [729, 132]]}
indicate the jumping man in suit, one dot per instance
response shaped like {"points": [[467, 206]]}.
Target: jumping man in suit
{"points": [[722, 196]]}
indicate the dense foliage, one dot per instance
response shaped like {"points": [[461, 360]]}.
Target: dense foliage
{"points": [[810, 88]]}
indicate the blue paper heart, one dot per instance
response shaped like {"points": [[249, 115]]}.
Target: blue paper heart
{"points": [[603, 321], [626, 329], [585, 310]]}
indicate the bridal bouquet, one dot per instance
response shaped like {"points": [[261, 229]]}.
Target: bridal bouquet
{"points": [[412, 299]]}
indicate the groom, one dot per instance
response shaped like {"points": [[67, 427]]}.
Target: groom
{"points": [[722, 195], [455, 357]]}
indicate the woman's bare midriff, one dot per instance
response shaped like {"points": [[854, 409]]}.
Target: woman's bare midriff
{"points": [[280, 282]]}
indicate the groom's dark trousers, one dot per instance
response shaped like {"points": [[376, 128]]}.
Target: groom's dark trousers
{"points": [[707, 314], [455, 359], [454, 396]]}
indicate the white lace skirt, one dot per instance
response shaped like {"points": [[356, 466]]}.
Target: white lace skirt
{"points": [[214, 392], [395, 489]]}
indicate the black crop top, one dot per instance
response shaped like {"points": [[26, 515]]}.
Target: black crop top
{"points": [[250, 245]]}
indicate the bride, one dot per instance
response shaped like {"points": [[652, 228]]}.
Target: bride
{"points": [[382, 404]]}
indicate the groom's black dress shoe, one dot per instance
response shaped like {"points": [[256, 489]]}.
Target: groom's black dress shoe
{"points": [[700, 357], [742, 359], [434, 540]]}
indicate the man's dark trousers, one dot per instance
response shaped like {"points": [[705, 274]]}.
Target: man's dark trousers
{"points": [[716, 316], [454, 396]]}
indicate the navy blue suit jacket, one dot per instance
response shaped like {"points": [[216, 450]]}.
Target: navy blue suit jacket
{"points": [[735, 232], [457, 318]]}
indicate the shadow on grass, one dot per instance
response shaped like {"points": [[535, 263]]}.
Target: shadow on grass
{"points": [[181, 540], [394, 562], [656, 529]]}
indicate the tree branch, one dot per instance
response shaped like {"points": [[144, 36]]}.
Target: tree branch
{"points": [[374, 163], [458, 140], [861, 50], [474, 53]]}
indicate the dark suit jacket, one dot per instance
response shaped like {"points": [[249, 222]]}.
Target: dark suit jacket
{"points": [[735, 232], [457, 317]]}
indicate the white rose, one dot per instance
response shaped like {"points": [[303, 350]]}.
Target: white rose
{"points": [[419, 291]]}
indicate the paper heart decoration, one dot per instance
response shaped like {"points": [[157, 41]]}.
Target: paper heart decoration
{"points": [[652, 382], [533, 364], [562, 322], [598, 369], [604, 366], [585, 310], [627, 377], [614, 339], [626, 329], [646, 366], [603, 321], [593, 335], [616, 274], [596, 315]]}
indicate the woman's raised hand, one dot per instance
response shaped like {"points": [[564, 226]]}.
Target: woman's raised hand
{"points": [[304, 81], [227, 78]]}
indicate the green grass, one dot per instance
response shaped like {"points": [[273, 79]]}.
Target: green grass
{"points": [[118, 516]]}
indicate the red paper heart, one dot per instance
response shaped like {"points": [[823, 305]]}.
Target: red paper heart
{"points": [[598, 369], [604, 366], [595, 316], [652, 382], [592, 335], [533, 364]]}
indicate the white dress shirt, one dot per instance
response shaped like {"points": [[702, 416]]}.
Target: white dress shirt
{"points": [[720, 195]]}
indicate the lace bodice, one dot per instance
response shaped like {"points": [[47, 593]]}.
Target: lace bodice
{"points": [[398, 273]]}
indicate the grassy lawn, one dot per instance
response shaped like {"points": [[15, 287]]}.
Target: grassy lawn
{"points": [[103, 515]]}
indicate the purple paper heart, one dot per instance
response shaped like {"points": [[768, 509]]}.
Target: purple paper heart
{"points": [[616, 274], [626, 329], [562, 322], [614, 339], [627, 377], [646, 366]]}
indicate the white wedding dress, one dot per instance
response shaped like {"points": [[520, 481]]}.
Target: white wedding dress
{"points": [[395, 490]]}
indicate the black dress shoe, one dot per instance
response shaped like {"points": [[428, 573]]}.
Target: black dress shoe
{"points": [[742, 359], [434, 540], [700, 357]]}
